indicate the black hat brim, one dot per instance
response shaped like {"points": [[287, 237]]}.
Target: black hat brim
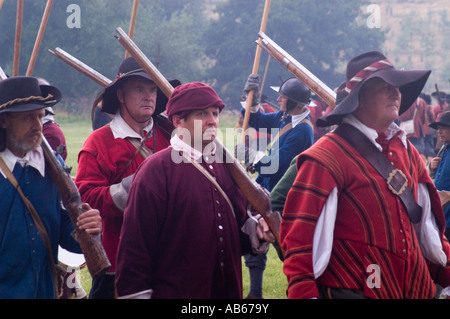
{"points": [[410, 83], [34, 105], [110, 102]]}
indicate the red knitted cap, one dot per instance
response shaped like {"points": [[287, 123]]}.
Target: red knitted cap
{"points": [[191, 97]]}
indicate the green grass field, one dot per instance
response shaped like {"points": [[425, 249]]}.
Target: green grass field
{"points": [[274, 283]]}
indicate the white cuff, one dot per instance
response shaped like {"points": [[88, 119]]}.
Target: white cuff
{"points": [[253, 108], [119, 195]]}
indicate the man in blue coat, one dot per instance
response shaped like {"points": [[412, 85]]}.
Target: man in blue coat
{"points": [[291, 133], [292, 128], [25, 269], [439, 167]]}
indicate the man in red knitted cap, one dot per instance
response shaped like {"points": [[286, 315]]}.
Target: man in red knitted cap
{"points": [[183, 230]]}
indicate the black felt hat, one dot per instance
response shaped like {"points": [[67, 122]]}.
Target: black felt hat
{"points": [[444, 120], [129, 67], [370, 65], [24, 93]]}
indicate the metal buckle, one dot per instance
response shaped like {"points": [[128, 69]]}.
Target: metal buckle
{"points": [[393, 177]]}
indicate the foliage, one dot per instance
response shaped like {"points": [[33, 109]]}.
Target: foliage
{"points": [[164, 36], [189, 40], [319, 34]]}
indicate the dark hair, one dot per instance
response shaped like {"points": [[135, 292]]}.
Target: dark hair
{"points": [[2, 139]]}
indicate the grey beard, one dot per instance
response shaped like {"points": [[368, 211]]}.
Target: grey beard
{"points": [[22, 147]]}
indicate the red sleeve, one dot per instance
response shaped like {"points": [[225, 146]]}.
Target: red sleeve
{"points": [[304, 204]]}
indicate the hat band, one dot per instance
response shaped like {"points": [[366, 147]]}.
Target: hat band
{"points": [[366, 72], [120, 75], [26, 99]]}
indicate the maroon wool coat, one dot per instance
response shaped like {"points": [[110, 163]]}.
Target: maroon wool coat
{"points": [[179, 236]]}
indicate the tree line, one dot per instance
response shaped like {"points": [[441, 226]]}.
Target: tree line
{"points": [[198, 40]]}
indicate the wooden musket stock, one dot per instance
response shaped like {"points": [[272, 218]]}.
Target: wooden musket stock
{"points": [[298, 70], [254, 193], [91, 246]]}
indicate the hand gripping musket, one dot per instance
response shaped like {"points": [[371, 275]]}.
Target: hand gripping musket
{"points": [[254, 193], [91, 246], [298, 70]]}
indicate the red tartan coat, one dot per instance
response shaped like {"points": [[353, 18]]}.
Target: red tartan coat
{"points": [[372, 226], [101, 163]]}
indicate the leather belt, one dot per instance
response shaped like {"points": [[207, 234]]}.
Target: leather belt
{"points": [[395, 178]]}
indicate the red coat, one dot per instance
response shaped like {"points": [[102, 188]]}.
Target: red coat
{"points": [[372, 226], [101, 163], [419, 110]]}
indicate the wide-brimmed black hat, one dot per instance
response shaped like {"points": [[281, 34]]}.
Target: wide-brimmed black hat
{"points": [[370, 65], [444, 120], [24, 94], [129, 67]]}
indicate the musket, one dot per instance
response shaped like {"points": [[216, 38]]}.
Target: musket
{"points": [[100, 79], [90, 244], [255, 194], [80, 66], [132, 22], [438, 96], [39, 37], [19, 19], [254, 71], [298, 70]]}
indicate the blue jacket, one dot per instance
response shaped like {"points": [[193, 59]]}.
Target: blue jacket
{"points": [[25, 272], [289, 145], [442, 178]]}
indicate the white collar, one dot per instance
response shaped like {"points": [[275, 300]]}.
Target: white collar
{"points": [[33, 158], [179, 145], [372, 134], [121, 129], [297, 118]]}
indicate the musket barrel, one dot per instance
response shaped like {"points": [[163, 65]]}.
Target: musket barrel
{"points": [[80, 66], [144, 62], [298, 70]]}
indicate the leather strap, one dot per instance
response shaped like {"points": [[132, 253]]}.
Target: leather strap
{"points": [[211, 179], [395, 178], [38, 222]]}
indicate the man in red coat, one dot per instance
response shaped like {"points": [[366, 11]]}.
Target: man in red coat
{"points": [[110, 156], [347, 230], [184, 223]]}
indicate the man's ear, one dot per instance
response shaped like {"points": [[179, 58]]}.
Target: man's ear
{"points": [[176, 120], [3, 121], [120, 97]]}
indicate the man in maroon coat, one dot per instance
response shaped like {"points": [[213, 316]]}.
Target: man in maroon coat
{"points": [[182, 233]]}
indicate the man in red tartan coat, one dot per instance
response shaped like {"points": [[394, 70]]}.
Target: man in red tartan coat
{"points": [[345, 233]]}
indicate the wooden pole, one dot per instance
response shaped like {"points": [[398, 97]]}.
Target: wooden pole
{"points": [[19, 19], [255, 71], [1, 4], [39, 37], [132, 23]]}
